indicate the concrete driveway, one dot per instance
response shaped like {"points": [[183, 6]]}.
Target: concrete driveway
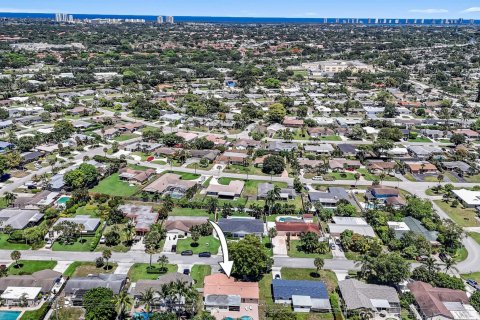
{"points": [[280, 246]]}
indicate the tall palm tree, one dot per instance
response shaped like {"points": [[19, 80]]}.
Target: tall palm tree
{"points": [[272, 196], [431, 264], [10, 198], [449, 264], [147, 298], [163, 261], [319, 263], [129, 232], [123, 302]]}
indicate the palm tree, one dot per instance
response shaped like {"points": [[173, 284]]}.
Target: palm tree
{"points": [[129, 232], [107, 254], [149, 249], [449, 264], [357, 177], [431, 264], [123, 302], [147, 298], [440, 178], [319, 263], [272, 196], [10, 198], [163, 260]]}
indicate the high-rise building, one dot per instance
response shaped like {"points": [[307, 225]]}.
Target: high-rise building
{"points": [[170, 19], [63, 17], [159, 19]]}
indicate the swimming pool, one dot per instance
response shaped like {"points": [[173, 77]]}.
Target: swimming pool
{"points": [[289, 219], [246, 318], [62, 200], [9, 315]]}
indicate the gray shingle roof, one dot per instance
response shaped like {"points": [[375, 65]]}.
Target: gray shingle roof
{"points": [[358, 295], [115, 282], [240, 225]]}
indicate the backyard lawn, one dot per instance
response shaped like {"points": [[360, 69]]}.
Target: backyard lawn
{"points": [[113, 186], [80, 245], [199, 272], [251, 186], [6, 245], [210, 244], [88, 210], [30, 266], [139, 271], [463, 217], [178, 211], [295, 252], [371, 177], [36, 314], [125, 137], [328, 277]]}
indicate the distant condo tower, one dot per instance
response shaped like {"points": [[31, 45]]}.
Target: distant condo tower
{"points": [[170, 19], [159, 19], [63, 17]]}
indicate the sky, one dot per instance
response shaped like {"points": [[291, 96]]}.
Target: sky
{"points": [[469, 9]]}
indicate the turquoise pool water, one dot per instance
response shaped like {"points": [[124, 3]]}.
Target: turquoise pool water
{"points": [[289, 219], [9, 315], [63, 200]]}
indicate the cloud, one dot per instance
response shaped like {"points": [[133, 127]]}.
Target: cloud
{"points": [[429, 10], [472, 9]]}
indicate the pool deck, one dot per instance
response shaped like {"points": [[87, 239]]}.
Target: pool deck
{"points": [[220, 315]]}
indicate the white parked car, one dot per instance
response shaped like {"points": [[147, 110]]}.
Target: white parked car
{"points": [[320, 178]]}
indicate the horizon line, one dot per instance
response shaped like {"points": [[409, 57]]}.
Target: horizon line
{"points": [[253, 17]]}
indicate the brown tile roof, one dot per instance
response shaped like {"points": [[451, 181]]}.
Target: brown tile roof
{"points": [[431, 300], [297, 227], [220, 284]]}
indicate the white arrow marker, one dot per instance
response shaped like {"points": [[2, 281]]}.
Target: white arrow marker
{"points": [[226, 264]]}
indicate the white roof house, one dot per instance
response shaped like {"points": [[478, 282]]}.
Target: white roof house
{"points": [[16, 293], [470, 199]]}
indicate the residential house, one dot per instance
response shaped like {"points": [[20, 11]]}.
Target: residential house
{"points": [[355, 224], [230, 297], [339, 164], [377, 167], [28, 157], [143, 217], [468, 198], [468, 133], [141, 286], [5, 146], [39, 200], [57, 183], [293, 123], [296, 229], [460, 167], [347, 150], [178, 226], [330, 198], [76, 288], [359, 296], [135, 176], [90, 225], [187, 136], [231, 191], [285, 193], [278, 146], [244, 144], [303, 295], [323, 148], [423, 152], [19, 219], [209, 155], [172, 184], [235, 157], [410, 224], [240, 227], [318, 132], [441, 303], [420, 167]]}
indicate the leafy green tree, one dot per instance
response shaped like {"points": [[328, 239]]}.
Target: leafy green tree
{"points": [[250, 258], [274, 164], [99, 304], [272, 83], [276, 112], [309, 242], [345, 210], [386, 268], [475, 300], [16, 255], [457, 139]]}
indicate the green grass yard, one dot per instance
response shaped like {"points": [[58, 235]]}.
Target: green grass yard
{"points": [[125, 137], [251, 186], [178, 211], [81, 245], [139, 271], [30, 266], [420, 139], [113, 186], [327, 276], [199, 272], [475, 236], [463, 217], [371, 177], [186, 175], [6, 245], [296, 252], [210, 244], [83, 269]]}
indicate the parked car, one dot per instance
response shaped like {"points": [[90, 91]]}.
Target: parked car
{"points": [[187, 253], [49, 244], [277, 276], [320, 178], [103, 240], [186, 271], [472, 283], [443, 256], [332, 246], [205, 254]]}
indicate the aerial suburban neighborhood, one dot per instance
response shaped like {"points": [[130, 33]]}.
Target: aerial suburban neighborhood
{"points": [[161, 170]]}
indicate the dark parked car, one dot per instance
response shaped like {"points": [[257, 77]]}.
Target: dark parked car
{"points": [[187, 253], [204, 254], [472, 282], [443, 256], [186, 271]]}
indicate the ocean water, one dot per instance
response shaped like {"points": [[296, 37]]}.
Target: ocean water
{"points": [[249, 20]]}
